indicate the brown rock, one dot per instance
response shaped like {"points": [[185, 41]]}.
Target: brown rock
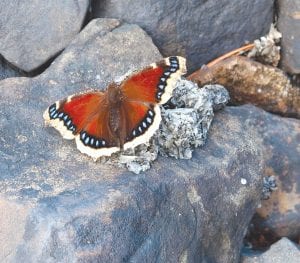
{"points": [[249, 81], [279, 216]]}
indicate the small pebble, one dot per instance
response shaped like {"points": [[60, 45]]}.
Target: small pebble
{"points": [[243, 181]]}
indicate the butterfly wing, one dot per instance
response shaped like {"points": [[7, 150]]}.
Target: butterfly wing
{"points": [[155, 83], [84, 117], [141, 122], [142, 92]]}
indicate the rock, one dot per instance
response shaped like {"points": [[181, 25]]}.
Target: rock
{"points": [[249, 81], [289, 26], [31, 32], [197, 30], [6, 71], [279, 216], [282, 251], [62, 207], [87, 65]]}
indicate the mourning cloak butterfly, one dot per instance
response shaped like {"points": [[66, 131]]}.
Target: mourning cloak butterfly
{"points": [[125, 115]]}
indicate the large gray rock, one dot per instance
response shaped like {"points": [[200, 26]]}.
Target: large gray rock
{"points": [[31, 31], [289, 26], [6, 71], [59, 206], [199, 30]]}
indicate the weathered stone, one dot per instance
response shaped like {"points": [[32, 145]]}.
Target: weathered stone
{"points": [[282, 251], [66, 208], [289, 26], [186, 127], [279, 216], [249, 81], [197, 30], [6, 71], [31, 32]]}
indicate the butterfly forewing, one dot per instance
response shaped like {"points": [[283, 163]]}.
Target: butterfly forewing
{"points": [[155, 83]]}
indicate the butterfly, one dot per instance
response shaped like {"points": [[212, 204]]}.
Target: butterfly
{"points": [[127, 114]]}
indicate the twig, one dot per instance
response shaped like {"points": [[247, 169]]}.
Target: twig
{"points": [[230, 54]]}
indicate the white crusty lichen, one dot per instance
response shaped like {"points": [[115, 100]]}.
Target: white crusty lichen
{"points": [[266, 49], [184, 126]]}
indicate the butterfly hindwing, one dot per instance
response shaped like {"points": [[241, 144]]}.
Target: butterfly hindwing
{"points": [[95, 138], [155, 83], [142, 120]]}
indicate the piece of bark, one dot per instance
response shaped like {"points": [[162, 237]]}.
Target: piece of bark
{"points": [[249, 81]]}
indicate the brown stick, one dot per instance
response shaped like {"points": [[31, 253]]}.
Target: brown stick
{"points": [[230, 54]]}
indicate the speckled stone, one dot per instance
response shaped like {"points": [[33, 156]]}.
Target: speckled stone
{"points": [[279, 216], [31, 32], [199, 30], [6, 71], [282, 251]]}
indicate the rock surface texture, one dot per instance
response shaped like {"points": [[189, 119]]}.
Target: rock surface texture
{"points": [[279, 216], [31, 32], [59, 206], [6, 71], [289, 26], [199, 30], [282, 251]]}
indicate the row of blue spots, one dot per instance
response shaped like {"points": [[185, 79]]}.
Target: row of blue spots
{"points": [[92, 141], [174, 66], [144, 125], [54, 114]]}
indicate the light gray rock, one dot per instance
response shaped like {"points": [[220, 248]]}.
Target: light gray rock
{"points": [[31, 32], [6, 71], [186, 127], [282, 251], [289, 26], [199, 30], [59, 206]]}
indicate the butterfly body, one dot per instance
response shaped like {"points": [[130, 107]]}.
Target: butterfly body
{"points": [[124, 116]]}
